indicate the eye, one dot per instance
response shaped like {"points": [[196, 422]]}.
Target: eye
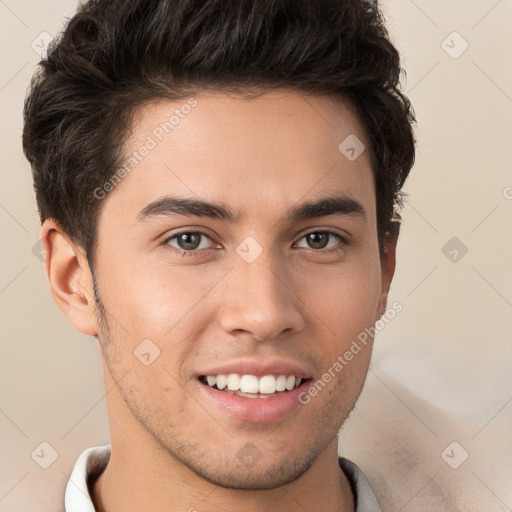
{"points": [[322, 239], [188, 241]]}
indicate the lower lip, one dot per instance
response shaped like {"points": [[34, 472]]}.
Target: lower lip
{"points": [[259, 410]]}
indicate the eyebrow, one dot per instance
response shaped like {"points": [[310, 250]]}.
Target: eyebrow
{"points": [[333, 205]]}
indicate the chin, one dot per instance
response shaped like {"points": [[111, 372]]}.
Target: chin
{"points": [[245, 476], [249, 480]]}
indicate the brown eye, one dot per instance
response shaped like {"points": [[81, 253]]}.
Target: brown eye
{"points": [[321, 239], [188, 241]]}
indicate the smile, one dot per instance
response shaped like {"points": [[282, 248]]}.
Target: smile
{"points": [[251, 386], [241, 405]]}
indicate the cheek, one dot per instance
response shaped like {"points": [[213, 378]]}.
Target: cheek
{"points": [[162, 311], [346, 299], [155, 300]]}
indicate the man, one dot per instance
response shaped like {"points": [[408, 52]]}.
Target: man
{"points": [[217, 184]]}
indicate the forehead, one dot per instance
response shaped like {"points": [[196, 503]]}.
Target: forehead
{"points": [[261, 154]]}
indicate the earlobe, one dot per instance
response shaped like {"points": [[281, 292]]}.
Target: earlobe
{"points": [[69, 278], [388, 264]]}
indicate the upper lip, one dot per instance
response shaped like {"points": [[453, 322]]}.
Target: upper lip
{"points": [[259, 368]]}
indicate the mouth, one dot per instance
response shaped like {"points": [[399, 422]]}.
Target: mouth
{"points": [[252, 386]]}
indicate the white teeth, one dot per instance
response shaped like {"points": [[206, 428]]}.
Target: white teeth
{"points": [[281, 383], [221, 381], [233, 382], [266, 385], [249, 384]]}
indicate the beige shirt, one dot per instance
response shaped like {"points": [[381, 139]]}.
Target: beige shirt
{"points": [[94, 460]]}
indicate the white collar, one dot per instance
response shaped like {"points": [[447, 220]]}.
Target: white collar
{"points": [[92, 462]]}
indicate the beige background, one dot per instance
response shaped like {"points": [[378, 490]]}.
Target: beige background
{"points": [[441, 370]]}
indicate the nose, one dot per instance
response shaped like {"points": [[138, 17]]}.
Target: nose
{"points": [[259, 299]]}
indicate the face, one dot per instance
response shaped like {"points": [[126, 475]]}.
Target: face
{"points": [[243, 242]]}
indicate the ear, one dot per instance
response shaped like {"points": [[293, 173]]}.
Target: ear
{"points": [[388, 263], [69, 277]]}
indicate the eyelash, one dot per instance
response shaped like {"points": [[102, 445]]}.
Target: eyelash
{"points": [[194, 252]]}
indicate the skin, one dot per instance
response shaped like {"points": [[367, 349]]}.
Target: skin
{"points": [[171, 448]]}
